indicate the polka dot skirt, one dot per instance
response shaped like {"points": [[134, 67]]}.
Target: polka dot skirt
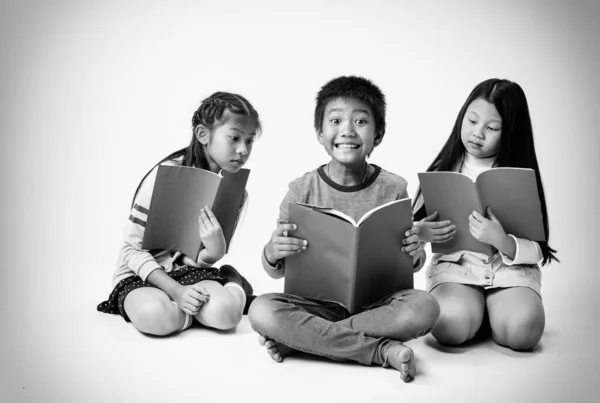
{"points": [[185, 275]]}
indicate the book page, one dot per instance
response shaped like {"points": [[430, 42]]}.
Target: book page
{"points": [[331, 212], [512, 193], [371, 212]]}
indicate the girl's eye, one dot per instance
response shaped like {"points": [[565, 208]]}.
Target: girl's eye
{"points": [[250, 141], [234, 138], [493, 129], [361, 122], [472, 121], [335, 121]]}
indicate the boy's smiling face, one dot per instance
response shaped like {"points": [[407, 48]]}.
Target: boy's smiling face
{"points": [[348, 132]]}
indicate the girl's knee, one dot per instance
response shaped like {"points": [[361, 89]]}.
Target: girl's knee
{"points": [[221, 313], [455, 325], [155, 317], [519, 331]]}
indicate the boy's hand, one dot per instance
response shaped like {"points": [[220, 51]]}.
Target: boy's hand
{"points": [[281, 245], [412, 246], [211, 236], [435, 231], [489, 231], [190, 298]]}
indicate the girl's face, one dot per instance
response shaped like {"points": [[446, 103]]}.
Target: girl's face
{"points": [[348, 132], [481, 129], [228, 145]]}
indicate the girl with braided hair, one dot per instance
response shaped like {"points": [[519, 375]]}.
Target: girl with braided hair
{"points": [[161, 291]]}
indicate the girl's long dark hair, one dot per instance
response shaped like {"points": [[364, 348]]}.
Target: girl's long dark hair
{"points": [[209, 114], [516, 148]]}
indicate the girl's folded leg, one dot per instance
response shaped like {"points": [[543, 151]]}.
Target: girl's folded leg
{"points": [[225, 305], [462, 308], [517, 317], [151, 311]]}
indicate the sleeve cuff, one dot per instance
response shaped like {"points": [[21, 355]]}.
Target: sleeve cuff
{"points": [[419, 261], [526, 252], [275, 271], [148, 268]]}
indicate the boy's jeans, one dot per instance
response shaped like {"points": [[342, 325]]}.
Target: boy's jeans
{"points": [[327, 329]]}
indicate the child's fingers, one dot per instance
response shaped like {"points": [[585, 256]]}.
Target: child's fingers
{"points": [[203, 221], [187, 308], [473, 221], [287, 253], [412, 239], [285, 248], [413, 231], [440, 224], [199, 289], [196, 297], [411, 247], [443, 230], [291, 241], [211, 216], [193, 299], [282, 228], [289, 246], [431, 217], [475, 214], [444, 237], [189, 262], [474, 231]]}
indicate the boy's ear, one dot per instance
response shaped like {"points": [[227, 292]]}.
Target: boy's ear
{"points": [[320, 136], [202, 134], [378, 139]]}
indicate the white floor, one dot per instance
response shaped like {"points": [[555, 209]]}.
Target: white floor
{"points": [[58, 349]]}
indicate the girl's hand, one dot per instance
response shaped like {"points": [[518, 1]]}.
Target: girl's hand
{"points": [[190, 298], [435, 231], [489, 231], [211, 236], [412, 245], [281, 245]]}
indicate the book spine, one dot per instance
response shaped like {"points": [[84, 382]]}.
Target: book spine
{"points": [[354, 265], [481, 210]]}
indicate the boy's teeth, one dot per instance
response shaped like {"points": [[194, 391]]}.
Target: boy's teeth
{"points": [[347, 146]]}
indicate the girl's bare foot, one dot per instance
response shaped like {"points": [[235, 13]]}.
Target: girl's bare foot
{"points": [[402, 358], [277, 351]]}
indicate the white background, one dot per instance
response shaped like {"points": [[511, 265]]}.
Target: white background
{"points": [[92, 94]]}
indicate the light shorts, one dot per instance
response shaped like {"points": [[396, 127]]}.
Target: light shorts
{"points": [[478, 269]]}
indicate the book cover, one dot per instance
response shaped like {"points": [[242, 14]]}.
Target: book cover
{"points": [[512, 194], [179, 195], [354, 263]]}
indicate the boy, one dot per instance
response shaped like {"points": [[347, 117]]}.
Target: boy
{"points": [[350, 122]]}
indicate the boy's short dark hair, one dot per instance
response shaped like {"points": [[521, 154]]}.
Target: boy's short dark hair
{"points": [[352, 87]]}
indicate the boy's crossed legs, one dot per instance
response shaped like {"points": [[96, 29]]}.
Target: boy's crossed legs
{"points": [[374, 336]]}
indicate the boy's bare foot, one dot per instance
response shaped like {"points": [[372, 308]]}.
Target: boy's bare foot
{"points": [[402, 358], [277, 351]]}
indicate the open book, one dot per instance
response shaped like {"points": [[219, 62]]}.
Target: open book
{"points": [[179, 195], [354, 263], [512, 194]]}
